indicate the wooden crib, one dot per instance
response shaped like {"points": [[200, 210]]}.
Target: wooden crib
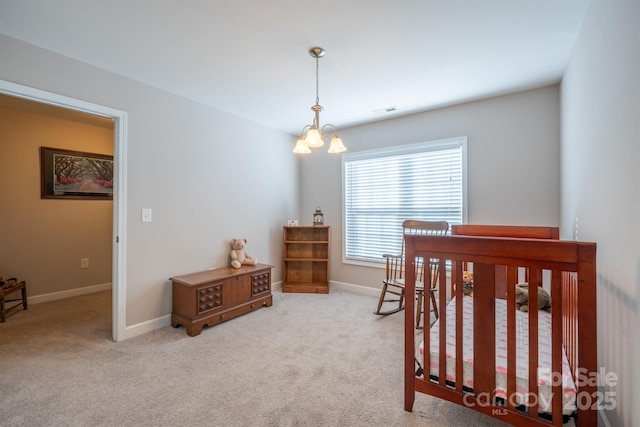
{"points": [[534, 368]]}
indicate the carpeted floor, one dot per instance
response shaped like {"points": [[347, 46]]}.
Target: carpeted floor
{"points": [[310, 360]]}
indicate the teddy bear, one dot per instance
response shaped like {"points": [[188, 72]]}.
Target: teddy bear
{"points": [[467, 283], [522, 298], [238, 256]]}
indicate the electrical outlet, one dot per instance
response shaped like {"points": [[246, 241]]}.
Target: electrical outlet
{"points": [[84, 263]]}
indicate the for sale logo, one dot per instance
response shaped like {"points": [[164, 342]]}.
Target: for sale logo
{"points": [[597, 400]]}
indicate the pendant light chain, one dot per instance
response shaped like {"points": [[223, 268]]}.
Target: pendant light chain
{"points": [[317, 83]]}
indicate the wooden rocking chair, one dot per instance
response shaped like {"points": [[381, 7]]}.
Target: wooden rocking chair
{"points": [[393, 282]]}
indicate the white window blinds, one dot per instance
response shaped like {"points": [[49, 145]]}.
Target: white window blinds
{"points": [[382, 188]]}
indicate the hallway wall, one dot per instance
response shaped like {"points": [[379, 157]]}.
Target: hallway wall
{"points": [[43, 240]]}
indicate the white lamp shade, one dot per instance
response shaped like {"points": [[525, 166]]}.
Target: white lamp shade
{"points": [[314, 139], [336, 145], [301, 148]]}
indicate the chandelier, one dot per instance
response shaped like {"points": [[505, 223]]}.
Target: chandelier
{"points": [[312, 136]]}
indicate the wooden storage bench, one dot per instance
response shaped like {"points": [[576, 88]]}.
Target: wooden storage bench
{"points": [[214, 296]]}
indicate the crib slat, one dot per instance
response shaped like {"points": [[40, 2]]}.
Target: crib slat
{"points": [[409, 332], [556, 347], [484, 345], [512, 274], [426, 348], [459, 327], [442, 360], [574, 320], [570, 317], [534, 281]]}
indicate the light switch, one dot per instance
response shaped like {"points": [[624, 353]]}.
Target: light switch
{"points": [[146, 215]]}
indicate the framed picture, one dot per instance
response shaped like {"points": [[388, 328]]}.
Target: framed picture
{"points": [[66, 174]]}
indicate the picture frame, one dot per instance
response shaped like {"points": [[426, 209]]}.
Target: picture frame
{"points": [[67, 174]]}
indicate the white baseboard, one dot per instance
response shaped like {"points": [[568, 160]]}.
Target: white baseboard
{"points": [[354, 289], [148, 326], [347, 287], [68, 293]]}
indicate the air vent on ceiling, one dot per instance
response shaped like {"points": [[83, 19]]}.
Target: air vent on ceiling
{"points": [[384, 110]]}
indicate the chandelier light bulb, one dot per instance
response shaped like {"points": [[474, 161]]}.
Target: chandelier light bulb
{"points": [[336, 145], [314, 139], [301, 147]]}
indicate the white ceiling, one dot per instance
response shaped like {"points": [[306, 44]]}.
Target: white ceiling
{"points": [[250, 57]]}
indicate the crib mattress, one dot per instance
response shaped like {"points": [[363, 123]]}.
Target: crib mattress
{"points": [[522, 355]]}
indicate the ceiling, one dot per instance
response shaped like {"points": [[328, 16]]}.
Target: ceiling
{"points": [[250, 57]]}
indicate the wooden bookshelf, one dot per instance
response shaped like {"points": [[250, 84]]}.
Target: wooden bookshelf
{"points": [[306, 259]]}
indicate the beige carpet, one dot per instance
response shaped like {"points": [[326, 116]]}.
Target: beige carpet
{"points": [[310, 360]]}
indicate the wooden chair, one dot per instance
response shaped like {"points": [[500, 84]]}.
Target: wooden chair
{"points": [[9, 287], [393, 285]]}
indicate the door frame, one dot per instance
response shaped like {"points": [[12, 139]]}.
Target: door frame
{"points": [[118, 272]]}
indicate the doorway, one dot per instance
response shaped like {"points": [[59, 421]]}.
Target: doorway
{"points": [[119, 191]]}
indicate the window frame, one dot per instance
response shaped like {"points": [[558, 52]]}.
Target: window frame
{"points": [[433, 145]]}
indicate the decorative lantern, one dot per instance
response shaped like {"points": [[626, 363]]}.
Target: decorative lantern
{"points": [[318, 217]]}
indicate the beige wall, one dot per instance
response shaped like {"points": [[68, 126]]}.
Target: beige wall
{"points": [[43, 240]]}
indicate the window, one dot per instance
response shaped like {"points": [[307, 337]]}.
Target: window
{"points": [[382, 188]]}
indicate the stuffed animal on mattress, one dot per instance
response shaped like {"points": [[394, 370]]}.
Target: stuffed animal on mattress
{"points": [[467, 283], [522, 298]]}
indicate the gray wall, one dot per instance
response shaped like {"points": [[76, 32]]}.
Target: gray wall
{"points": [[513, 160], [208, 176], [600, 182]]}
